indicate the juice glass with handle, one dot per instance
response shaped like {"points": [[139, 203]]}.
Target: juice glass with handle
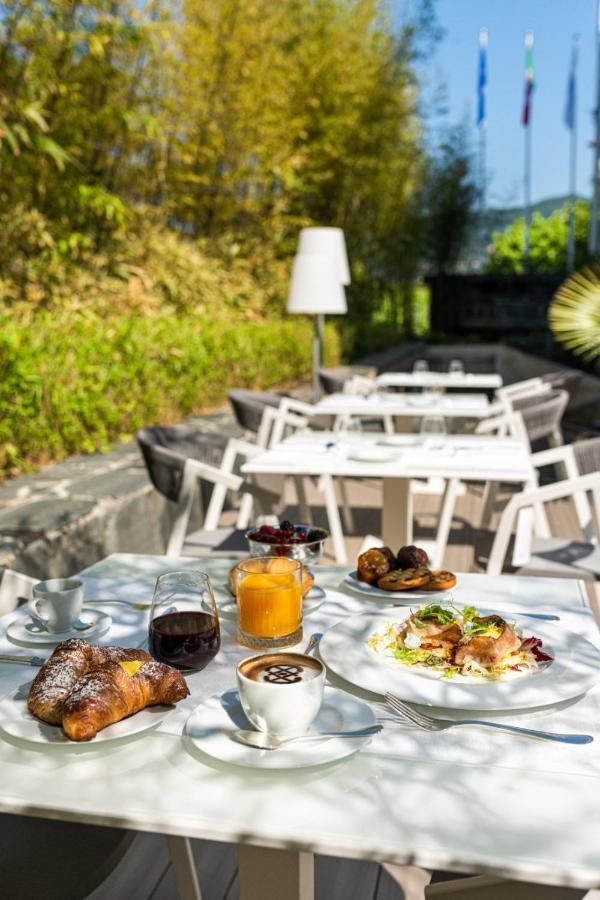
{"points": [[269, 602]]}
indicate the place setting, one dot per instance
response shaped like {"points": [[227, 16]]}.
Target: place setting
{"points": [[56, 613]]}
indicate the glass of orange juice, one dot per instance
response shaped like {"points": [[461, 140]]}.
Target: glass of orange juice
{"points": [[269, 602]]}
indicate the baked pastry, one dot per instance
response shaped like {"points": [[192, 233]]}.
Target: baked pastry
{"points": [[70, 661], [440, 581], [373, 564], [117, 690], [405, 580], [308, 580], [411, 557]]}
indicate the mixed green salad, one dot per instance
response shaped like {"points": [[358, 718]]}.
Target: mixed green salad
{"points": [[459, 642]]}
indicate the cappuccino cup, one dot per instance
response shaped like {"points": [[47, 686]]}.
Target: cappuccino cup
{"points": [[56, 604], [281, 693]]}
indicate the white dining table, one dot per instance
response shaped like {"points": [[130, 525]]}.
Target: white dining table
{"points": [[466, 800], [455, 458], [400, 405], [462, 380]]}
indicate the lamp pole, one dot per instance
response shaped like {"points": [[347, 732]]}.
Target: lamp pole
{"points": [[317, 345]]}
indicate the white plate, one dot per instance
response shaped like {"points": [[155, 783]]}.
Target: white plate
{"points": [[393, 597], [227, 606], [209, 723], [24, 632], [372, 455], [575, 669], [16, 720]]}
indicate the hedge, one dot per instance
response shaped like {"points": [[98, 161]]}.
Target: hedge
{"points": [[73, 382]]}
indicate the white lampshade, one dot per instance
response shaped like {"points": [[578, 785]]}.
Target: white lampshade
{"points": [[327, 241], [315, 286]]}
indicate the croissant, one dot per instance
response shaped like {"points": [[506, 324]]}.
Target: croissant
{"points": [[115, 691], [58, 676]]}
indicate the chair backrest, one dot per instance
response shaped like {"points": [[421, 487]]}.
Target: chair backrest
{"points": [[524, 388], [542, 416], [587, 455], [15, 588], [567, 379], [528, 499], [248, 406], [165, 450], [505, 424]]}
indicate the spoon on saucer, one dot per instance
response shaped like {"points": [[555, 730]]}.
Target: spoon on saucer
{"points": [[78, 625], [263, 741]]}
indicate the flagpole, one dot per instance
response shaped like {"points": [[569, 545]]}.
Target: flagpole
{"points": [[527, 195], [593, 233], [527, 161], [572, 159], [482, 125]]}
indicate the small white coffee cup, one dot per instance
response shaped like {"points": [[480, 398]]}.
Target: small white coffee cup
{"points": [[56, 604], [281, 703]]}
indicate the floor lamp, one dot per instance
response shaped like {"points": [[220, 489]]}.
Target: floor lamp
{"points": [[316, 289]]}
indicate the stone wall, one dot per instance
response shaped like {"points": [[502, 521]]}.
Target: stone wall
{"points": [[75, 512]]}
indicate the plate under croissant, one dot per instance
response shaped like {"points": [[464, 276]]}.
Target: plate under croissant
{"points": [[17, 721]]}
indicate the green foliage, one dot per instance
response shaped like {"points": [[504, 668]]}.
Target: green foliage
{"points": [[547, 239], [75, 382], [574, 313]]}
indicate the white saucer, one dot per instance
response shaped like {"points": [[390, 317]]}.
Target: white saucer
{"points": [[26, 633], [208, 726], [16, 720], [226, 604]]}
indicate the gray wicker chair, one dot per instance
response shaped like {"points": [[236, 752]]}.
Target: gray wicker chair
{"points": [[185, 443], [248, 406], [564, 379], [587, 455], [181, 479], [542, 416]]}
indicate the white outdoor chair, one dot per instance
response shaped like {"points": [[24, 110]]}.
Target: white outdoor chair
{"points": [[15, 588], [550, 556], [179, 479]]}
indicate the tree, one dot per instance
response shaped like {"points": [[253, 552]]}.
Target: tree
{"points": [[548, 238]]}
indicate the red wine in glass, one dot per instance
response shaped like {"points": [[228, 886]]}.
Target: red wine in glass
{"points": [[184, 640]]}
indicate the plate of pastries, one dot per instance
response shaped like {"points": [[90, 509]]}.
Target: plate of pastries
{"points": [[88, 693], [383, 575]]}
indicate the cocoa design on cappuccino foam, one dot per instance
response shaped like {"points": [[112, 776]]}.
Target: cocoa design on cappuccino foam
{"points": [[281, 668]]}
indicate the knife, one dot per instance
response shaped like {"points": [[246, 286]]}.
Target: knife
{"points": [[23, 660]]}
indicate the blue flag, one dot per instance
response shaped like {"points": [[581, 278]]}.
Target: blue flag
{"points": [[482, 78], [571, 100]]}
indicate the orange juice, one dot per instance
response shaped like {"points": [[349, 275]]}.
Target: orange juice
{"points": [[269, 600]]}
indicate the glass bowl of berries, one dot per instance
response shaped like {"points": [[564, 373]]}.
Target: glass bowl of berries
{"points": [[301, 542]]}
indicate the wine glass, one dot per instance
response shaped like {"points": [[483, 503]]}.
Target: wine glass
{"points": [[420, 365], [184, 629], [433, 425], [456, 367]]}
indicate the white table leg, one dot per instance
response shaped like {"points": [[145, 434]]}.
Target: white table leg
{"points": [[303, 507], [397, 513], [326, 486], [445, 521], [347, 513], [267, 874], [186, 878]]}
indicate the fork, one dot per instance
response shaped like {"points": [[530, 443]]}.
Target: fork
{"points": [[428, 723]]}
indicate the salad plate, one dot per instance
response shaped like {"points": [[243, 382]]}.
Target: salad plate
{"points": [[395, 598], [348, 651]]}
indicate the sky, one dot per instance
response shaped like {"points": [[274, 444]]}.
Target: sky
{"points": [[453, 67]]}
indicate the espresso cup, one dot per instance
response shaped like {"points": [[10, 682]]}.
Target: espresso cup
{"points": [[56, 604], [281, 693]]}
